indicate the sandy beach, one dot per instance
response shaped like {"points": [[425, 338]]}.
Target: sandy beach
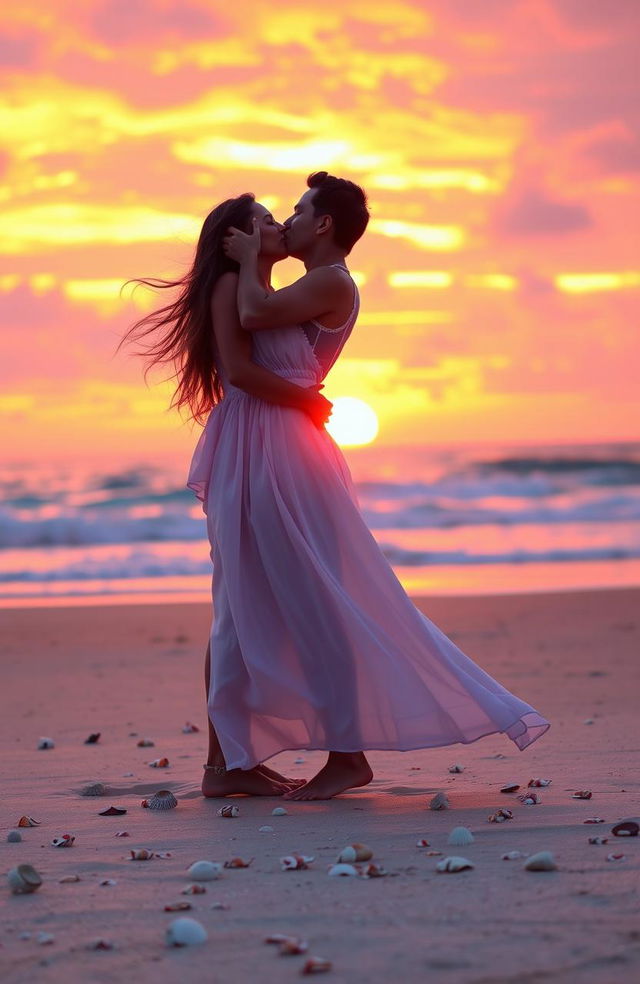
{"points": [[136, 671]]}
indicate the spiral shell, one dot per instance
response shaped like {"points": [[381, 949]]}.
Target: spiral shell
{"points": [[193, 889], [25, 821], [539, 782], [145, 743], [582, 794], [229, 811], [500, 816], [160, 763], [292, 946], [237, 863], [529, 799], [162, 800], [64, 840], [453, 864], [24, 879], [373, 871]]}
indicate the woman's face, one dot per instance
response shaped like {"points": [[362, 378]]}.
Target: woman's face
{"points": [[271, 233]]}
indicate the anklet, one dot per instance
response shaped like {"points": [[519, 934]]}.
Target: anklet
{"points": [[218, 769]]}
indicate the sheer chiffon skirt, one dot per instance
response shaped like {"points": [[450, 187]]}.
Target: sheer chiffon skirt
{"points": [[314, 642]]}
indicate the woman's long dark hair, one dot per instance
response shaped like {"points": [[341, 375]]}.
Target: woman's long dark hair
{"points": [[184, 328]]}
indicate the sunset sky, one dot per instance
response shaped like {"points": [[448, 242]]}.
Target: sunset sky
{"points": [[498, 143]]}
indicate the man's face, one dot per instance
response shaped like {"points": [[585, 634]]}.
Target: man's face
{"points": [[299, 228]]}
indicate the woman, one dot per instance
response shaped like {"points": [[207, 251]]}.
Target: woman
{"points": [[200, 334]]}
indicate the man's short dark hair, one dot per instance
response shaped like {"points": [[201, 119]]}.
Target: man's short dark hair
{"points": [[345, 202]]}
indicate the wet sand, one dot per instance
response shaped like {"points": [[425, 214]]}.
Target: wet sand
{"points": [[136, 671]]}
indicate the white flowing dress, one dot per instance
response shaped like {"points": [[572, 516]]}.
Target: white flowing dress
{"points": [[314, 642]]}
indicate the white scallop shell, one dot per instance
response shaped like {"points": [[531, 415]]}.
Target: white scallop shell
{"points": [[279, 811], [185, 932], [439, 802], [162, 800], [542, 861], [24, 879], [342, 869], [453, 863], [265, 830], [204, 870], [460, 836]]}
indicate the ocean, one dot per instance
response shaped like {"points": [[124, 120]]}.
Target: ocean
{"points": [[449, 520]]}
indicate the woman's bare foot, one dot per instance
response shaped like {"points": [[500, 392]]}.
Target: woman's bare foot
{"points": [[343, 770], [252, 782], [278, 777]]}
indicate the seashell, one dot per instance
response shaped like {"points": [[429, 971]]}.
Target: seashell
{"points": [[626, 828], [316, 965], [542, 861], [204, 870], [145, 743], [582, 794], [589, 721], [112, 811], [598, 840], [178, 906], [140, 854], [539, 782], [185, 932], [190, 729], [593, 820], [94, 789], [25, 821], [193, 890], [108, 881], [43, 938], [279, 811], [295, 862], [277, 938], [342, 869], [439, 802], [292, 946], [24, 879], [13, 836], [456, 768], [299, 760], [615, 857], [122, 833], [68, 878], [237, 863], [422, 843], [460, 836], [513, 855], [529, 799], [453, 864], [229, 811], [355, 852], [92, 739], [101, 944], [373, 871], [434, 854], [64, 840], [160, 763], [511, 787], [500, 816], [220, 905], [162, 800], [46, 743], [162, 854], [265, 830]]}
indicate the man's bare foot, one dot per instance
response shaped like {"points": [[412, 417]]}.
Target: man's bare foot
{"points": [[342, 771], [278, 777], [252, 782]]}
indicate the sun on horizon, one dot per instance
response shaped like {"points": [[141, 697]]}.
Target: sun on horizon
{"points": [[352, 422]]}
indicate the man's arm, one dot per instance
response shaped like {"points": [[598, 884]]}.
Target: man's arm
{"points": [[235, 349]]}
